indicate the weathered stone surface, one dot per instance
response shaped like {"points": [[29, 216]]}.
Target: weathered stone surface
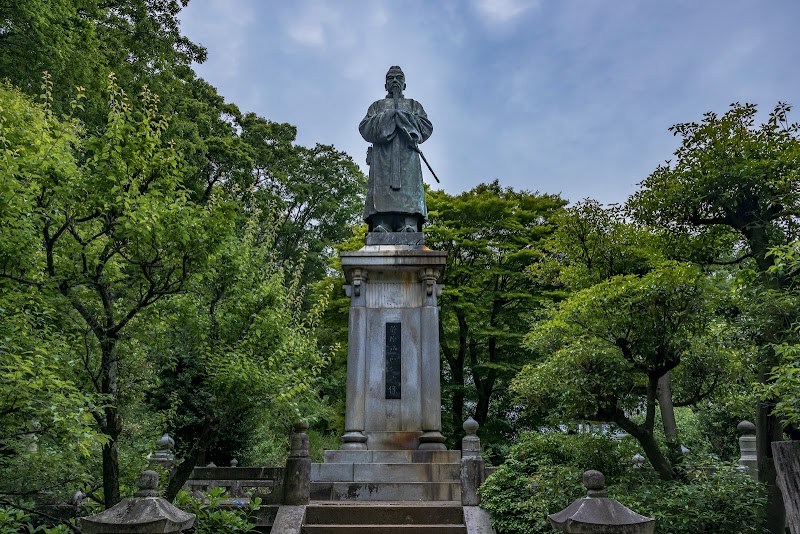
{"points": [[597, 514], [389, 457], [145, 513], [289, 520], [472, 464], [787, 464], [477, 520], [297, 489], [386, 491], [163, 456]]}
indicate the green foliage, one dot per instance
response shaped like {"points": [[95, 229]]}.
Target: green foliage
{"points": [[215, 516], [543, 474], [784, 384], [106, 230], [632, 318], [718, 498], [491, 235], [607, 339], [15, 521], [729, 175]]}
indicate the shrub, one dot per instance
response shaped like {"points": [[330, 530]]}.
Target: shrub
{"points": [[14, 521], [543, 475], [710, 501], [214, 516]]}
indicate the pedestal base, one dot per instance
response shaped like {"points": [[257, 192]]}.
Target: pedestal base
{"points": [[393, 369]]}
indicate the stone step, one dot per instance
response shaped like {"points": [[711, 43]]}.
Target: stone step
{"points": [[384, 529], [395, 513], [392, 457], [386, 491], [373, 472], [384, 518]]}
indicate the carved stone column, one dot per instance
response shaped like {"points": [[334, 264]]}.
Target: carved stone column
{"points": [[354, 438]]}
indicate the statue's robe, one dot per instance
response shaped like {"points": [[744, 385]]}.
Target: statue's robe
{"points": [[395, 174]]}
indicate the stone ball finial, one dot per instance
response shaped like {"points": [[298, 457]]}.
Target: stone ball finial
{"points": [[471, 426], [234, 462], [147, 484], [595, 482], [746, 428]]}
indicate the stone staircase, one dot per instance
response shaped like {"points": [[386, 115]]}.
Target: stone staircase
{"points": [[386, 517], [377, 475]]}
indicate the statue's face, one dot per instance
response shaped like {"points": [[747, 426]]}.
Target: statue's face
{"points": [[395, 79]]}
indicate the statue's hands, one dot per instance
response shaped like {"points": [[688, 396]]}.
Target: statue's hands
{"points": [[412, 137]]}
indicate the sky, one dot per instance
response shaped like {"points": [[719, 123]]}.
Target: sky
{"points": [[573, 97]]}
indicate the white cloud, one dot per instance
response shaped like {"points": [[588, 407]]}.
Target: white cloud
{"points": [[503, 11]]}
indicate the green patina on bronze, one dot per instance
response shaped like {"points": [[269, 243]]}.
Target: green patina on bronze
{"points": [[395, 125]]}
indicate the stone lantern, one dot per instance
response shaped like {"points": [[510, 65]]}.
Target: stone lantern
{"points": [[597, 514], [144, 513]]}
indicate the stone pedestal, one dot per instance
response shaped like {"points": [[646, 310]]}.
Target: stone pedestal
{"points": [[393, 390]]}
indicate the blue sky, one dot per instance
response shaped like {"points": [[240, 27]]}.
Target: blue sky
{"points": [[557, 96]]}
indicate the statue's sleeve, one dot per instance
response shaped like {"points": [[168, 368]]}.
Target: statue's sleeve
{"points": [[415, 123], [379, 125]]}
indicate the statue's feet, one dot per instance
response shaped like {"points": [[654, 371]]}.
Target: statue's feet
{"points": [[381, 228], [409, 228]]}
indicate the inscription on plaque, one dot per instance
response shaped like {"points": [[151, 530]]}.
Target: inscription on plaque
{"points": [[393, 346]]}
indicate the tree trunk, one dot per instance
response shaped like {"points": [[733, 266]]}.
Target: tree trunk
{"points": [[787, 464], [184, 470], [651, 449], [113, 423], [664, 393], [768, 426], [769, 431]]}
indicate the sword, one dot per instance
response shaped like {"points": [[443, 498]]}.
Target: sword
{"points": [[418, 151]]}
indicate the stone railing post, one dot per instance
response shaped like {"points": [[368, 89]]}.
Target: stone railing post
{"points": [[298, 468], [747, 448], [144, 513], [597, 514], [472, 464]]}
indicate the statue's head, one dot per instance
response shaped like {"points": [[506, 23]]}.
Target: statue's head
{"points": [[395, 78]]}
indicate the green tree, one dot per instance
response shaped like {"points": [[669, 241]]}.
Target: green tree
{"points": [[81, 42], [611, 343], [236, 350], [736, 182], [491, 235], [106, 238]]}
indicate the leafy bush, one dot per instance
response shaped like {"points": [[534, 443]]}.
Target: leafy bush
{"points": [[14, 521], [715, 499], [214, 516], [543, 475]]}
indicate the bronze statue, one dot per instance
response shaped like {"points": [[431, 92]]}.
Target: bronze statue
{"points": [[394, 126]]}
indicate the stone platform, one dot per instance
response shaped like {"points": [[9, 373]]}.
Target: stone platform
{"points": [[384, 518], [401, 475]]}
